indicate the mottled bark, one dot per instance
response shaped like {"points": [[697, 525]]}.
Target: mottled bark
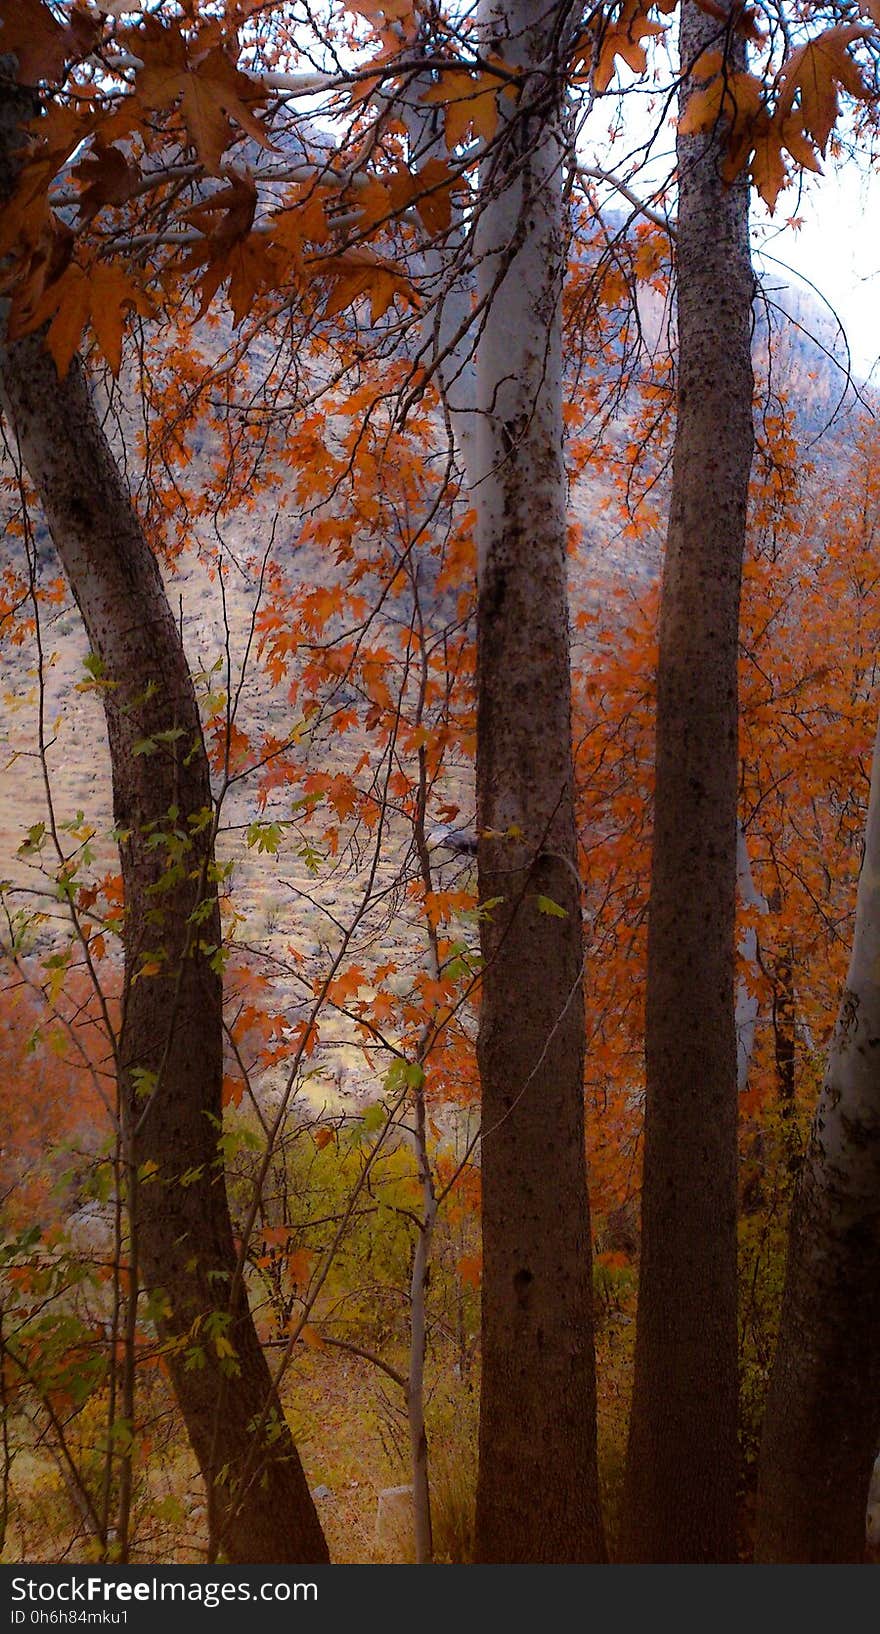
{"points": [[171, 1034], [822, 1422], [537, 1495], [680, 1487]]}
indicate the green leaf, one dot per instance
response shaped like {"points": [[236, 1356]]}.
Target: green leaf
{"points": [[143, 1082], [374, 1117], [547, 905], [35, 839], [265, 837]]}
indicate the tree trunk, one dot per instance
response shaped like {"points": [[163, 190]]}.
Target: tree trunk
{"points": [[171, 1036], [537, 1494], [680, 1487], [171, 1042], [746, 1007], [822, 1422]]}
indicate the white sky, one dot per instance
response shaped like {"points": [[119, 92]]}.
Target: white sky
{"points": [[838, 250]]}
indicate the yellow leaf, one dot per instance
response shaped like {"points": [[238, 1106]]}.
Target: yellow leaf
{"points": [[732, 98]]}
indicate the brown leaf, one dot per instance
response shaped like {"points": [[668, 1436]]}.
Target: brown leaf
{"points": [[433, 198], [106, 177], [32, 35], [812, 77], [210, 89]]}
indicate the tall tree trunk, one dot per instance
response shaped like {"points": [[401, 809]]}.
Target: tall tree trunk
{"points": [[171, 1037], [680, 1487], [746, 1007], [822, 1422], [537, 1493]]}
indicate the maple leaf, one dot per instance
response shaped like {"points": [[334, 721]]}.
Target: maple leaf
{"points": [[210, 88], [814, 73], [734, 99], [372, 200], [359, 274], [732, 102], [433, 196], [38, 42], [623, 38], [233, 1091], [301, 220], [768, 166], [227, 214], [470, 102], [101, 296], [754, 138], [106, 177]]}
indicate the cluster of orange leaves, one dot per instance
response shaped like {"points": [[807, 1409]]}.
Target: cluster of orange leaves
{"points": [[180, 96]]}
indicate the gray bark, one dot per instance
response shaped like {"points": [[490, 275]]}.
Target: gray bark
{"points": [[822, 1421], [537, 1494]]}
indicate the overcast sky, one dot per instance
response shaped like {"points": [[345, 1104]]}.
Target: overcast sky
{"points": [[838, 249]]}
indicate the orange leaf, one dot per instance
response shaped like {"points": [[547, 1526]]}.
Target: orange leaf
{"points": [[102, 295], [299, 1265], [470, 1269], [233, 1091], [623, 38], [470, 101], [211, 90], [433, 200]]}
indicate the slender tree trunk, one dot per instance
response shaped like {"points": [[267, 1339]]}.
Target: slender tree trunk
{"points": [[680, 1488], [537, 1494], [822, 1422], [171, 1043], [171, 1036], [784, 1021], [415, 1399], [746, 1009]]}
